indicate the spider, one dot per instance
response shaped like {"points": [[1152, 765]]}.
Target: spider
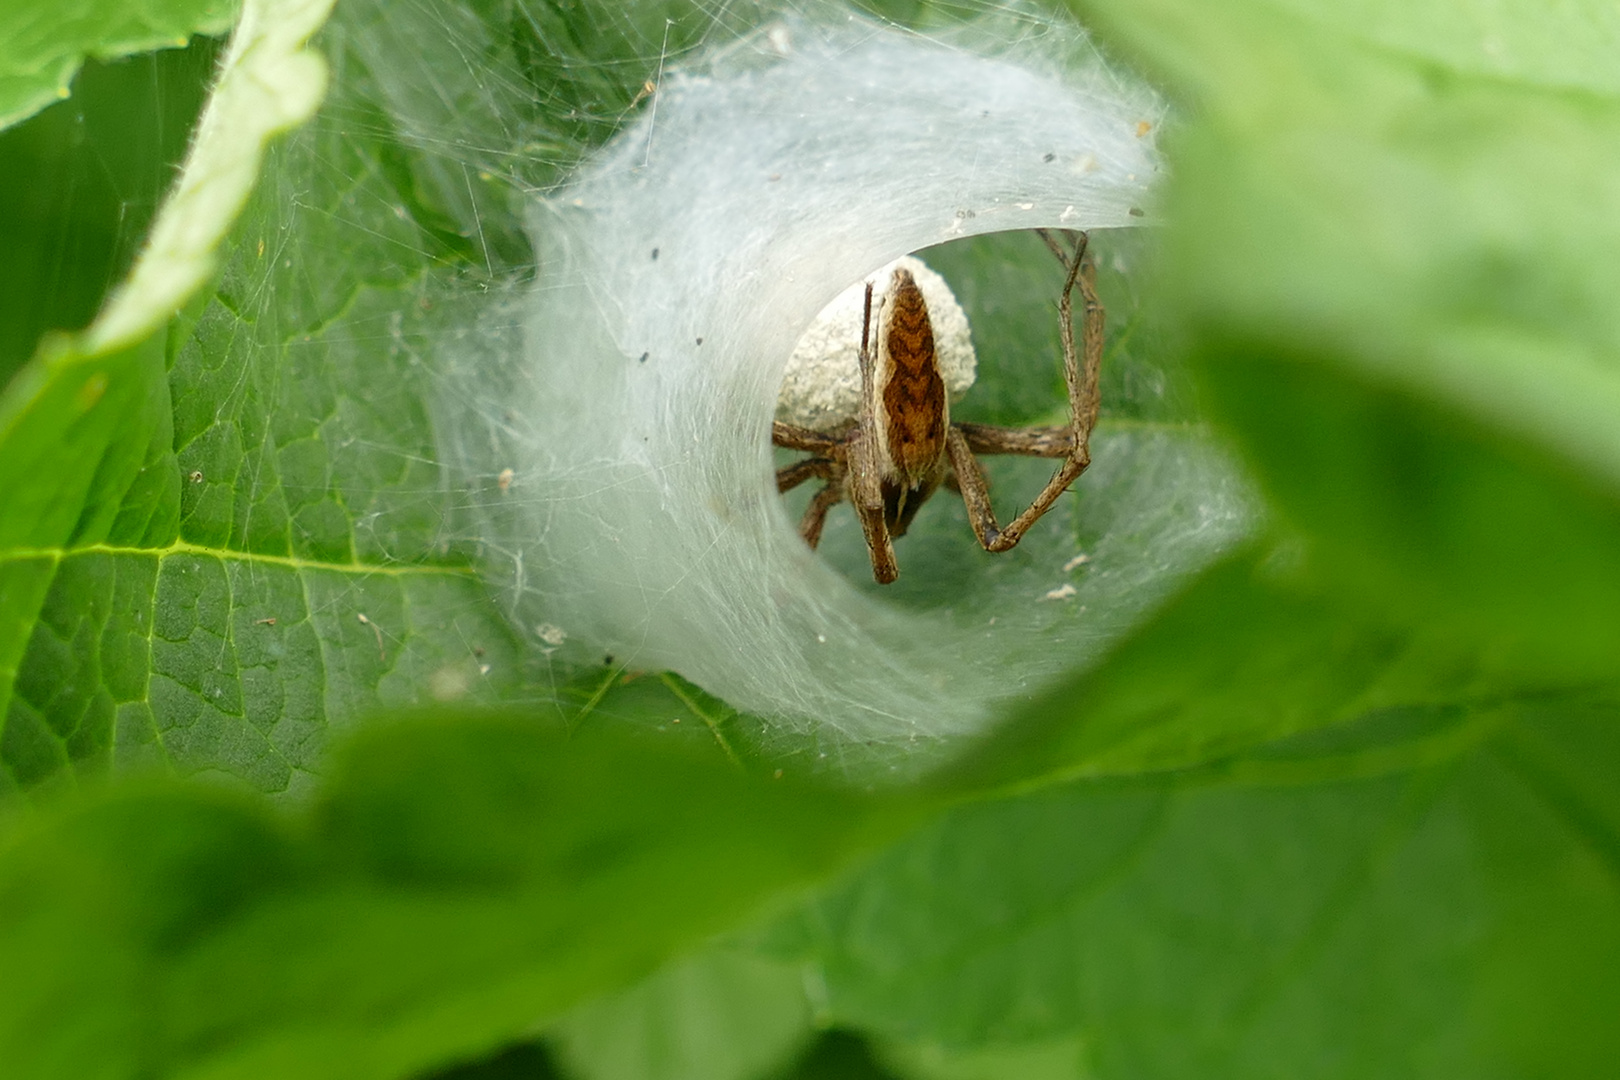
{"points": [[903, 445]]}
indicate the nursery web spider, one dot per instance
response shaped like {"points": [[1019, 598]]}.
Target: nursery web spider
{"points": [[903, 445]]}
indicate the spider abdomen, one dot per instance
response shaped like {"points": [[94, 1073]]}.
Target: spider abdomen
{"points": [[911, 406], [902, 446]]}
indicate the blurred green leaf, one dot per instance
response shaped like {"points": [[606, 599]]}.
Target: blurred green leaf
{"points": [[1396, 253], [1051, 1059], [458, 880], [723, 1014], [1247, 654], [1457, 919], [522, 1061], [1257, 649], [1357, 814], [43, 43], [839, 1054]]}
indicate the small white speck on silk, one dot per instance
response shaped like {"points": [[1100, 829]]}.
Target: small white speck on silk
{"points": [[676, 275]]}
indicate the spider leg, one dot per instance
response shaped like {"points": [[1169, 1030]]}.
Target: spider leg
{"points": [[1077, 242], [865, 475], [975, 491], [866, 493], [1047, 442], [1072, 444], [815, 515], [798, 438], [791, 476]]}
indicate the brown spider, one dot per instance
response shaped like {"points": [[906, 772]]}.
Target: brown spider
{"points": [[904, 445]]}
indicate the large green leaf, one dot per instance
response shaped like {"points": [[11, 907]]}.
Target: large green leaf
{"points": [[224, 539], [42, 44], [1395, 260], [273, 504], [457, 881], [1318, 911], [1355, 820]]}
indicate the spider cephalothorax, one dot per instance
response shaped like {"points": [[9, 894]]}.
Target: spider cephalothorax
{"points": [[903, 446]]}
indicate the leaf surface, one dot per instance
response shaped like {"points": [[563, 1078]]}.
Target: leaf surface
{"points": [[1337, 802], [224, 538], [43, 44], [1284, 918], [457, 880], [1403, 315]]}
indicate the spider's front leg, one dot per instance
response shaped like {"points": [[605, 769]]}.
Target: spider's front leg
{"points": [[1073, 443], [866, 495], [865, 471], [974, 489]]}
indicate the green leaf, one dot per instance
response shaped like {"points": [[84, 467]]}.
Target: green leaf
{"points": [[1061, 1058], [80, 183], [457, 881], [1404, 312], [1251, 652], [1355, 821], [192, 659], [839, 1054], [723, 1014], [42, 44], [520, 1061], [176, 594], [82, 436], [298, 466], [1461, 918]]}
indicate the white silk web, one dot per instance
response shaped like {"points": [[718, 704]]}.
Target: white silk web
{"points": [[632, 432]]}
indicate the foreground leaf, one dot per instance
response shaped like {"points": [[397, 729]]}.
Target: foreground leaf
{"points": [[1254, 650], [1289, 919], [458, 881], [723, 1014], [43, 44], [1404, 312]]}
